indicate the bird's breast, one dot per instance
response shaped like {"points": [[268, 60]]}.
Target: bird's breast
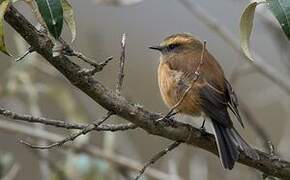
{"points": [[172, 90], [167, 80]]}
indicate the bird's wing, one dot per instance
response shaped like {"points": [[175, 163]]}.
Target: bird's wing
{"points": [[215, 99], [233, 102], [214, 104]]}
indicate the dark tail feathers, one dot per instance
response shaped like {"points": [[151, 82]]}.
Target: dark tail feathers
{"points": [[229, 144]]}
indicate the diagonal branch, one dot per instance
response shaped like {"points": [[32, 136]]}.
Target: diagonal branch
{"points": [[141, 117], [156, 157]]}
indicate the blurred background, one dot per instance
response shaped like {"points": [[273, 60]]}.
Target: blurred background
{"points": [[34, 87]]}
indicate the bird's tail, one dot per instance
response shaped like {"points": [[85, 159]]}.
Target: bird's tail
{"points": [[229, 144]]}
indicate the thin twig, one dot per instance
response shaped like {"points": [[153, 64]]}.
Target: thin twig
{"points": [[66, 49], [82, 57], [72, 137], [29, 51], [62, 124], [97, 66], [91, 72], [122, 64], [92, 151], [195, 78], [157, 156]]}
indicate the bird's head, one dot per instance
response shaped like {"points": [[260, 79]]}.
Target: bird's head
{"points": [[178, 43]]}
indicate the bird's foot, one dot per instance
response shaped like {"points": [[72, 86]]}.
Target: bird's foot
{"points": [[273, 154], [166, 117], [167, 120]]}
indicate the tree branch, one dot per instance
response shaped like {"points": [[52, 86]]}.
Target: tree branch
{"points": [[117, 104], [62, 124], [72, 137], [90, 150]]}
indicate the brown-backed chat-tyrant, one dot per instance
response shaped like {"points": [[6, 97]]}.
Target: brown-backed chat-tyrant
{"points": [[210, 93]]}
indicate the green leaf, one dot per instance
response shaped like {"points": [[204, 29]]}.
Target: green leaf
{"points": [[3, 7], [52, 13], [69, 18], [281, 10], [246, 26]]}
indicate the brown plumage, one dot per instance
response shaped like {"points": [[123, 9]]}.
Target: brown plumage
{"points": [[210, 95]]}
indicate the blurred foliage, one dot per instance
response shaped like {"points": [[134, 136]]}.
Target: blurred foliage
{"points": [[6, 163], [75, 167]]}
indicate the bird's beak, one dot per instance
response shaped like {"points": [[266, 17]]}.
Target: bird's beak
{"points": [[158, 48]]}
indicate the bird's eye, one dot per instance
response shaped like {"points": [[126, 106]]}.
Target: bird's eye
{"points": [[172, 46]]}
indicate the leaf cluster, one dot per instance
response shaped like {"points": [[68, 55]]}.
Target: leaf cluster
{"points": [[49, 13]]}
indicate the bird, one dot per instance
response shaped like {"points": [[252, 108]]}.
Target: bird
{"points": [[187, 66]]}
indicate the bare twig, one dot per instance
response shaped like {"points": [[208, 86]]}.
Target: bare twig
{"points": [[91, 72], [195, 78], [157, 156], [88, 128], [29, 51], [97, 66], [122, 64], [93, 151], [82, 57], [62, 124], [110, 138], [65, 48]]}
